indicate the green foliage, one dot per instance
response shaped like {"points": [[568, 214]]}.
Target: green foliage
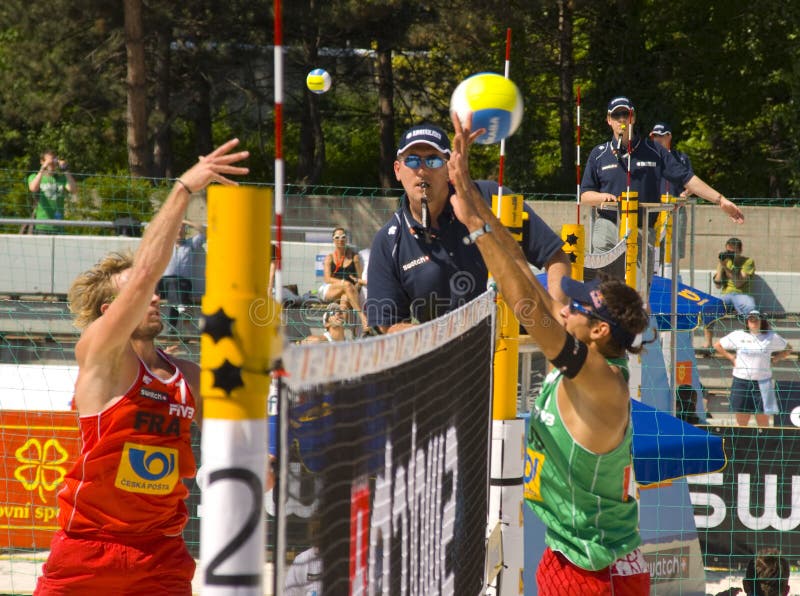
{"points": [[726, 77], [106, 198], [16, 198]]}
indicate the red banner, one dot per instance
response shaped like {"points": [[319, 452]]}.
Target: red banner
{"points": [[39, 448]]}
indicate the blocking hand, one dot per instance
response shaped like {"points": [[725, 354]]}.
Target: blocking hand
{"points": [[215, 167]]}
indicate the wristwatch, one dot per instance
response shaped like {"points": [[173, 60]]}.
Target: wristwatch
{"points": [[473, 236]]}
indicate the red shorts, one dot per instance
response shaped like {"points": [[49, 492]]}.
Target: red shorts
{"points": [[160, 566], [627, 576]]}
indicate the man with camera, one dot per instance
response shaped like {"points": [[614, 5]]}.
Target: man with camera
{"points": [[734, 275], [50, 186]]}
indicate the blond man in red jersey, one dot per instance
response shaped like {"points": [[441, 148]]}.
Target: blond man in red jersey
{"points": [[121, 509]]}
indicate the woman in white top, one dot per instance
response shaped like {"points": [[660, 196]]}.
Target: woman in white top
{"points": [[754, 351]]}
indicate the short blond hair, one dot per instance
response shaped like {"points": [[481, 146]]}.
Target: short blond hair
{"points": [[95, 287]]}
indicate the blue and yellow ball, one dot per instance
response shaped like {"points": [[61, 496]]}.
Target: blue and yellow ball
{"points": [[495, 102], [318, 80]]}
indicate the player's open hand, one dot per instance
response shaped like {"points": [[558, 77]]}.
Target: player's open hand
{"points": [[458, 170], [216, 167]]}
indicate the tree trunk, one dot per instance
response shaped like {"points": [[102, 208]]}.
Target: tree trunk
{"points": [[311, 155], [566, 136], [162, 145], [137, 92], [386, 116], [204, 141]]}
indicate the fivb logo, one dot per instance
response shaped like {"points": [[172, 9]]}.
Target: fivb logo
{"points": [[181, 410]]}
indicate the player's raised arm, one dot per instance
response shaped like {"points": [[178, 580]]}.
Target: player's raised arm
{"points": [[134, 288], [530, 302]]}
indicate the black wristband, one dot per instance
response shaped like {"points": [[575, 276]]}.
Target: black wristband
{"points": [[184, 185], [571, 358]]}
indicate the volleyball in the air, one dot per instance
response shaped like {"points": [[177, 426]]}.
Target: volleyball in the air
{"points": [[495, 103], [318, 80]]}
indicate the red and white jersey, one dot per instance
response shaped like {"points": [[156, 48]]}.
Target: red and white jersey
{"points": [[128, 478]]}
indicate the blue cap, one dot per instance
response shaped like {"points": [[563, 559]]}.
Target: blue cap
{"points": [[661, 129], [589, 293], [620, 103], [425, 134]]}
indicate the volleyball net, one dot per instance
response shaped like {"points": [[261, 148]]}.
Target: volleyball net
{"points": [[387, 451]]}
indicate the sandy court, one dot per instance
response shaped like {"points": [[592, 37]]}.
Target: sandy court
{"points": [[18, 577], [18, 574]]}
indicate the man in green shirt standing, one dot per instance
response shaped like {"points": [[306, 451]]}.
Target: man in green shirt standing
{"points": [[50, 186]]}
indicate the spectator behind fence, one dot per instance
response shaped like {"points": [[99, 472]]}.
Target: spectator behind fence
{"points": [[767, 574], [734, 275], [342, 276], [304, 576], [50, 187], [183, 282], [333, 323], [752, 389], [420, 267]]}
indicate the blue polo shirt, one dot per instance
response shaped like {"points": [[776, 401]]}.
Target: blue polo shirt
{"points": [[409, 278], [607, 171], [675, 190]]}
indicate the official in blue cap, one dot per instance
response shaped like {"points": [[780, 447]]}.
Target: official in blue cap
{"points": [[422, 262]]}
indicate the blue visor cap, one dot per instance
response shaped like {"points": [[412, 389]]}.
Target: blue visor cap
{"points": [[589, 293]]}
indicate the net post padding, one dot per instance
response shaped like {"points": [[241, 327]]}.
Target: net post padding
{"points": [[393, 433]]}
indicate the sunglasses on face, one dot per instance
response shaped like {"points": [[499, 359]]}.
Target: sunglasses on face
{"points": [[340, 237], [621, 115], [577, 307], [432, 162]]}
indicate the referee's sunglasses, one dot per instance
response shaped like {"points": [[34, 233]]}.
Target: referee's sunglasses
{"points": [[432, 162]]}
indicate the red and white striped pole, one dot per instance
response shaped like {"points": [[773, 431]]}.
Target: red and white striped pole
{"points": [[506, 74], [578, 156], [573, 235], [279, 171], [281, 523]]}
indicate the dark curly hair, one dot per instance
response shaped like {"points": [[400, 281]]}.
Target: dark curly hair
{"points": [[767, 574], [627, 309]]}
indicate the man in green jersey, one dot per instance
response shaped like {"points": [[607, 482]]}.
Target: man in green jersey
{"points": [[578, 475]]}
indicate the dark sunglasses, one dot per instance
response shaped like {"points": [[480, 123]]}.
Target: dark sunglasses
{"points": [[432, 162], [621, 115], [577, 307]]}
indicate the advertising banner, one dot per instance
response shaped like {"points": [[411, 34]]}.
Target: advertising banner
{"points": [[39, 448]]}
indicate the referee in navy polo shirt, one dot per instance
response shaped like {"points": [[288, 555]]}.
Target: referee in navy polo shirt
{"points": [[605, 177], [420, 266]]}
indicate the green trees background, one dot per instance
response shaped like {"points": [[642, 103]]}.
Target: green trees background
{"points": [[142, 87]]}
